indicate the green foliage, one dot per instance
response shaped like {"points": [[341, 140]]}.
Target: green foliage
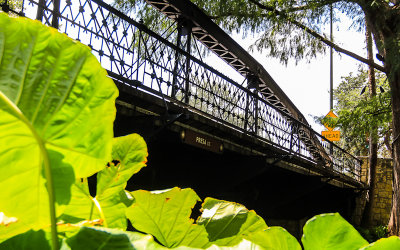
{"points": [[341, 235], [129, 156], [274, 238], [358, 113], [52, 94], [104, 238], [50, 86], [165, 214], [227, 223], [392, 242], [374, 233], [39, 239]]}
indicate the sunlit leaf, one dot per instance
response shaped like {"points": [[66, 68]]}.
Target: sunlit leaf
{"points": [[130, 153], [166, 216], [82, 206], [390, 243], [227, 222], [129, 156], [104, 238], [29, 240], [274, 238], [331, 231], [53, 94]]}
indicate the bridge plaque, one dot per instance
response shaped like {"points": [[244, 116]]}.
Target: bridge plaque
{"points": [[201, 141]]}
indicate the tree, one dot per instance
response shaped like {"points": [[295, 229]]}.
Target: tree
{"points": [[304, 20], [365, 122], [357, 113]]}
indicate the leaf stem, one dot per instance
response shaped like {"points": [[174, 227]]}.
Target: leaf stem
{"points": [[96, 202], [16, 112]]}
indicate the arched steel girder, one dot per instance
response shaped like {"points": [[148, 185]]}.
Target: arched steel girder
{"points": [[213, 37]]}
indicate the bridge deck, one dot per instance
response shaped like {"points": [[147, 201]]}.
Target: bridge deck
{"points": [[163, 75]]}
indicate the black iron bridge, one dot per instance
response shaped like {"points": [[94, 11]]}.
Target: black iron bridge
{"points": [[166, 85]]}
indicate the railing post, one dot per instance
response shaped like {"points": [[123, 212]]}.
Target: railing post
{"points": [[256, 111], [252, 83], [292, 131], [56, 13], [187, 73], [177, 56], [246, 112], [40, 10], [184, 29]]}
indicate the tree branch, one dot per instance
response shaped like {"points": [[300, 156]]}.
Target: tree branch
{"points": [[307, 7], [318, 36]]}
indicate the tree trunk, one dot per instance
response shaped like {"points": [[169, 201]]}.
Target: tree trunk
{"points": [[367, 220], [386, 36], [394, 221]]}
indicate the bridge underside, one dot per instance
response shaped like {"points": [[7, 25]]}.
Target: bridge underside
{"points": [[248, 171]]}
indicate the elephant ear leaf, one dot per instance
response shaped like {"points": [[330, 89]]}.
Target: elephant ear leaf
{"points": [[166, 216], [129, 155], [392, 242], [227, 222], [331, 231], [53, 93], [274, 238]]}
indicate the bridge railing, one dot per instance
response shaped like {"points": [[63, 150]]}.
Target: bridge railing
{"points": [[163, 66]]}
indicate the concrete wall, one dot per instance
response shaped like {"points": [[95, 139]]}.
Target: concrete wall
{"points": [[382, 202]]}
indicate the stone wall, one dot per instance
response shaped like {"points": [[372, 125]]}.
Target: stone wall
{"points": [[382, 193]]}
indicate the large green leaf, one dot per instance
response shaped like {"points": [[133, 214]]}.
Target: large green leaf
{"points": [[129, 156], [27, 241], [331, 231], [390, 243], [227, 222], [82, 205], [165, 215], [274, 238], [130, 153], [61, 89], [104, 238], [53, 93]]}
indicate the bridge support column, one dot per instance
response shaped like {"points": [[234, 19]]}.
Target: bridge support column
{"points": [[175, 86], [184, 29], [187, 73]]}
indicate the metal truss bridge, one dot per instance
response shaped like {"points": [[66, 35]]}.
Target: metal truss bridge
{"points": [[164, 72]]}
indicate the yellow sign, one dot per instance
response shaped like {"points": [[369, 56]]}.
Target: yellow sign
{"points": [[332, 115], [331, 135]]}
